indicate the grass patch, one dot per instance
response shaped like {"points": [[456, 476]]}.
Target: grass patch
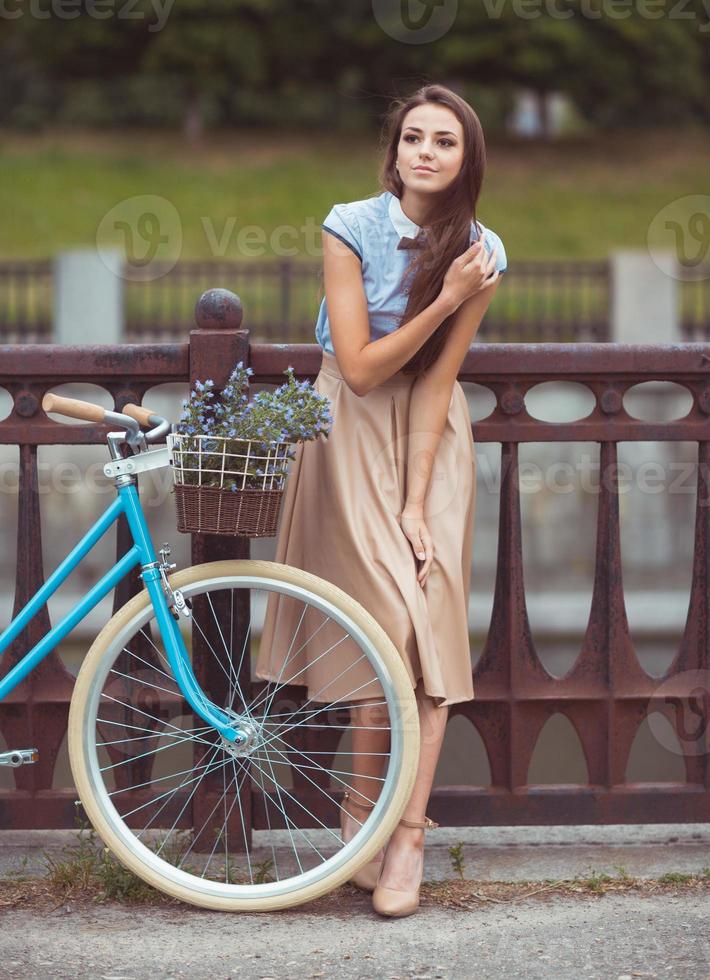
{"points": [[467, 895], [571, 198], [88, 868], [86, 873]]}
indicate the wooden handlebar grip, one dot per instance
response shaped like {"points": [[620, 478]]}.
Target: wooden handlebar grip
{"points": [[73, 407], [139, 413]]}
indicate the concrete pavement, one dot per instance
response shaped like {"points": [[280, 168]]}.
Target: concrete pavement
{"points": [[583, 937]]}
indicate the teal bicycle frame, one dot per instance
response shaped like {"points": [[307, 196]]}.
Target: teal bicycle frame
{"points": [[142, 552]]}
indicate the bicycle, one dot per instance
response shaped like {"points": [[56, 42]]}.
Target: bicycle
{"points": [[166, 765]]}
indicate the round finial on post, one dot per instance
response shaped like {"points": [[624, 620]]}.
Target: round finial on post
{"points": [[219, 309]]}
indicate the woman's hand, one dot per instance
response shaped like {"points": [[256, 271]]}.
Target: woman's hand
{"points": [[413, 524], [469, 273]]}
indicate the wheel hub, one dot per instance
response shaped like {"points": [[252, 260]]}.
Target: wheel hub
{"points": [[248, 739]]}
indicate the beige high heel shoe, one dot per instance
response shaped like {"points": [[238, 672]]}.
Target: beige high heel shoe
{"points": [[398, 902], [367, 876]]}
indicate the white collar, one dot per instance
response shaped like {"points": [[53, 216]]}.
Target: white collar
{"points": [[404, 225]]}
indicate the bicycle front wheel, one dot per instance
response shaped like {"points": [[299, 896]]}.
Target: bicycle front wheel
{"points": [[254, 828]]}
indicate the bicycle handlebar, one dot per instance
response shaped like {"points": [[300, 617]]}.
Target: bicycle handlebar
{"points": [[140, 413], [75, 408]]}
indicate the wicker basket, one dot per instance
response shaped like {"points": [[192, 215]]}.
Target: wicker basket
{"points": [[228, 486]]}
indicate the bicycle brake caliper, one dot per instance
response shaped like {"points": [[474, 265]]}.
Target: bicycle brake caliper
{"points": [[176, 600]]}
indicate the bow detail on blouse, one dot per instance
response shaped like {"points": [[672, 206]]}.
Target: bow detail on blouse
{"points": [[417, 242]]}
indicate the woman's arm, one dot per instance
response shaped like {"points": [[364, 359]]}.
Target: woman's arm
{"points": [[365, 363], [428, 410]]}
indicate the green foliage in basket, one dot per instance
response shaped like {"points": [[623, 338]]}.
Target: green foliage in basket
{"points": [[293, 412]]}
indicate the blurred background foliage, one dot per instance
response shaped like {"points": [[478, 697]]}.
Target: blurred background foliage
{"points": [[271, 110], [325, 65]]}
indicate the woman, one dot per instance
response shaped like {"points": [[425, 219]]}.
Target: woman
{"points": [[408, 276]]}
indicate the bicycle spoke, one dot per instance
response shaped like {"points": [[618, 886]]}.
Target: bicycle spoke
{"points": [[287, 819], [145, 683], [142, 738], [207, 818], [149, 665], [268, 824], [269, 696], [187, 801], [143, 755], [228, 651], [298, 802], [288, 655], [157, 779], [303, 724], [330, 772], [146, 714], [330, 681], [204, 637], [337, 704], [170, 792], [160, 653]]}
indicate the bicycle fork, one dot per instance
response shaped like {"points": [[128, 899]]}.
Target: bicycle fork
{"points": [[163, 598]]}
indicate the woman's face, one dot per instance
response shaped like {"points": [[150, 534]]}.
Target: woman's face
{"points": [[431, 137]]}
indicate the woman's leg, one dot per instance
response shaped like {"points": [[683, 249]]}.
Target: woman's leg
{"points": [[369, 741], [403, 855], [370, 744]]}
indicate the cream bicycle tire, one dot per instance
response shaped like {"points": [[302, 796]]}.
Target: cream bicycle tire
{"points": [[131, 852]]}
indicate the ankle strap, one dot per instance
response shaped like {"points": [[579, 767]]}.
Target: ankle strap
{"points": [[427, 823], [363, 806]]}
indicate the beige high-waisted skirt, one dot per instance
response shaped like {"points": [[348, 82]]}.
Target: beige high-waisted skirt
{"points": [[340, 520]]}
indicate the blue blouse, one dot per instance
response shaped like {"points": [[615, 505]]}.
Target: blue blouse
{"points": [[372, 229]]}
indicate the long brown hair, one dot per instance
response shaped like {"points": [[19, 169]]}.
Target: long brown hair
{"points": [[448, 233]]}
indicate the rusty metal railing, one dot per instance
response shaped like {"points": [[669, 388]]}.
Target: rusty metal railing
{"points": [[606, 695], [551, 300]]}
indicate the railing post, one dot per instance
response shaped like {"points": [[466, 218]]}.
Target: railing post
{"points": [[35, 713], [216, 346]]}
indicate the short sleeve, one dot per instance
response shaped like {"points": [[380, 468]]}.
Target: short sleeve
{"points": [[342, 223], [490, 241]]}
